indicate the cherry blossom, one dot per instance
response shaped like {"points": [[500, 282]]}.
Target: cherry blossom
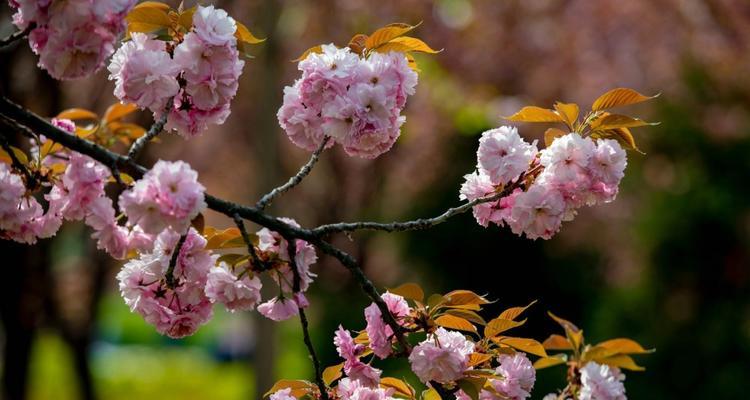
{"points": [[174, 311], [72, 38], [601, 382], [441, 358], [236, 293], [380, 333], [168, 195], [144, 72], [357, 101], [503, 155]]}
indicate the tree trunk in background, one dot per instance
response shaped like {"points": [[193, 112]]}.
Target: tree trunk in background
{"points": [[266, 152]]}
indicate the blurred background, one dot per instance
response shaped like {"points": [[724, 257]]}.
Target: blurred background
{"points": [[667, 264]]}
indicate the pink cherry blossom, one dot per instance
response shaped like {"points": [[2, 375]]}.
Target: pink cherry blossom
{"points": [[353, 367], [214, 26], [537, 212], [567, 156], [380, 334], [237, 294], [601, 382], [75, 37], [273, 242], [356, 101], [167, 195], [503, 155], [517, 378], [441, 358], [144, 73], [211, 72], [178, 311], [281, 308], [608, 162], [283, 394]]}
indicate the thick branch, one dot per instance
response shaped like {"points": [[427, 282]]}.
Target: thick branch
{"points": [[422, 223], [266, 200], [153, 131], [15, 36]]}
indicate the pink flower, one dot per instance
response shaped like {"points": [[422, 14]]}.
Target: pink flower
{"points": [[168, 195], [518, 376], [537, 212], [504, 155], [356, 101], [283, 394], [74, 37], [28, 11], [144, 73], [567, 156], [214, 26], [378, 331], [177, 311], [211, 72], [237, 294], [270, 241], [281, 308], [189, 121], [353, 367], [442, 358], [300, 122], [477, 185], [601, 382], [608, 162], [81, 184]]}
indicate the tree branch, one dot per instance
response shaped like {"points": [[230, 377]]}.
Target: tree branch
{"points": [[422, 223], [266, 200], [18, 35], [364, 282], [250, 247], [292, 253], [169, 276], [153, 131]]}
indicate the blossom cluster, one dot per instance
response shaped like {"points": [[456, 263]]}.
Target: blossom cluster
{"points": [[443, 357], [354, 100], [73, 38], [194, 76], [77, 194], [179, 301], [572, 172]]}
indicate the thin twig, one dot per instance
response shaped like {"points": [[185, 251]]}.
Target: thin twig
{"points": [[364, 282], [422, 223], [18, 35], [169, 276], [17, 164], [153, 131], [292, 252], [266, 200], [250, 247]]}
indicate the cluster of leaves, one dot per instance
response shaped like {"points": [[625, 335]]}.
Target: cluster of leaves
{"points": [[613, 352], [388, 38], [168, 24], [597, 123]]}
